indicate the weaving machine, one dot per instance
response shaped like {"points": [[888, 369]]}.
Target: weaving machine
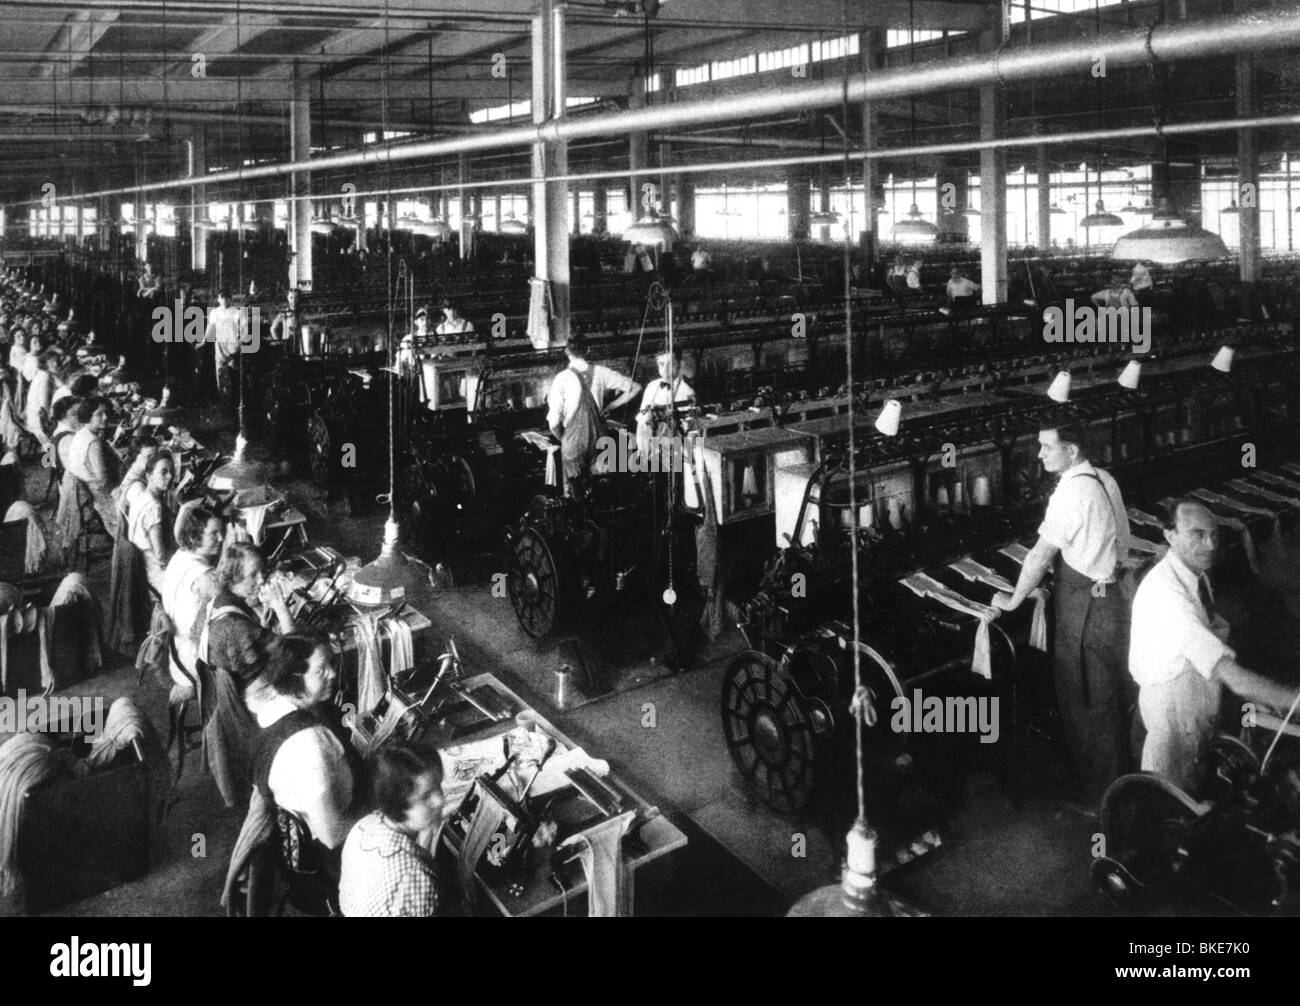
{"points": [[946, 512]]}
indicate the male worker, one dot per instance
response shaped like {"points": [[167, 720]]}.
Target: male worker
{"points": [[1179, 655], [1085, 534], [225, 332], [961, 289], [576, 406]]}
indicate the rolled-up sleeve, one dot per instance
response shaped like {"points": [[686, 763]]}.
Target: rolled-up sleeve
{"points": [[1063, 519]]}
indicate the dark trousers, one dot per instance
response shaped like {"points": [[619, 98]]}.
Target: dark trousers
{"points": [[1094, 691]]}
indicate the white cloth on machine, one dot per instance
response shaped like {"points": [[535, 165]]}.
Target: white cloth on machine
{"points": [[544, 443], [254, 518], [924, 585], [488, 816], [974, 571], [73, 590], [1016, 552], [372, 680], [1241, 485], [401, 644], [1144, 519], [609, 880], [35, 557], [1277, 480]]}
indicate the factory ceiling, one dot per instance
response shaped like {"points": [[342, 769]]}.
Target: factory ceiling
{"points": [[96, 94]]}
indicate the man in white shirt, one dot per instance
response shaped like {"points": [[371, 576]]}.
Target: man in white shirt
{"points": [[961, 290], [654, 419], [1085, 536], [1179, 654], [224, 331], [577, 406], [452, 323]]}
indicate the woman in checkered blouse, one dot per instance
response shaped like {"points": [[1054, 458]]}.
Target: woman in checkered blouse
{"points": [[387, 872]]}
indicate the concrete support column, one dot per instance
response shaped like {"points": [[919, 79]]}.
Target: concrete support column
{"points": [[686, 205], [198, 144], [1247, 173], [1044, 175], [468, 208], [953, 224], [550, 199], [870, 44], [300, 209], [141, 238], [638, 148], [798, 203], [993, 183], [600, 208]]}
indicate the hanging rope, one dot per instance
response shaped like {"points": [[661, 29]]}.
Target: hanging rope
{"points": [[859, 693], [388, 210]]}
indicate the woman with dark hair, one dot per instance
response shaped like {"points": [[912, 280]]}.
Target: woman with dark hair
{"points": [[93, 462], [234, 647], [304, 764], [189, 583], [386, 871], [128, 604], [150, 518]]}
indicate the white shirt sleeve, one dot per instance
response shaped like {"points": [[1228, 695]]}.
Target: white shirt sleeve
{"points": [[604, 380], [1063, 521], [1169, 631], [555, 400]]}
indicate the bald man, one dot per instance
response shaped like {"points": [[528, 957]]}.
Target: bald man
{"points": [[1178, 651]]}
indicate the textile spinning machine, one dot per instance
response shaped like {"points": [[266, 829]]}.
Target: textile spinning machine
{"points": [[947, 511]]}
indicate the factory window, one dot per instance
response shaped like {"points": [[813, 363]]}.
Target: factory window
{"points": [[618, 217], [654, 82], [693, 75], [164, 217], [89, 221], [281, 212], [834, 48], [901, 36], [739, 213], [522, 109], [780, 59], [722, 69], [390, 134], [1051, 8]]}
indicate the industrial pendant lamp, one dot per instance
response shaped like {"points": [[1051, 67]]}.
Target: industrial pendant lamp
{"points": [[322, 224], [1101, 218], [511, 224], [914, 228], [857, 894], [651, 229], [239, 473], [1056, 210], [1169, 239], [1231, 210], [392, 576], [824, 218]]}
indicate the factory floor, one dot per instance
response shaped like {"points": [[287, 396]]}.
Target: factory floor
{"points": [[1008, 845]]}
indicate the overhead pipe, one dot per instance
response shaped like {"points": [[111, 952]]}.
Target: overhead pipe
{"points": [[1254, 31], [972, 146]]}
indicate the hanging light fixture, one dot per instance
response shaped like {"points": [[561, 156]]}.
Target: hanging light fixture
{"points": [[1056, 210], [824, 218], [1169, 239], [511, 224], [1222, 361], [1131, 375], [1060, 388], [1231, 210], [651, 229], [914, 228], [1101, 218], [436, 229], [322, 224]]}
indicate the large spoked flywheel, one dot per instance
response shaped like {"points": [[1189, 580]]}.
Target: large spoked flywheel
{"points": [[536, 584], [320, 448], [769, 731]]}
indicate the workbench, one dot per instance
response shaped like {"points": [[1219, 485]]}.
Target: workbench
{"points": [[471, 745]]}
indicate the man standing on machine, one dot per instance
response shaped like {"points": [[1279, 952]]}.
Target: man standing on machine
{"points": [[1084, 537]]}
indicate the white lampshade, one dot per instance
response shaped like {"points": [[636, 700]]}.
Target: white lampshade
{"points": [[1131, 375], [512, 225], [824, 218], [1169, 239], [1060, 389], [914, 228], [322, 225], [890, 417], [1101, 218], [1223, 360], [651, 230]]}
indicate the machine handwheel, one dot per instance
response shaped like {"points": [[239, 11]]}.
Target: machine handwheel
{"points": [[535, 584], [321, 448], [769, 732], [1145, 820]]}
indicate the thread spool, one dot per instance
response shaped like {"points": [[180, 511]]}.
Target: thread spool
{"points": [[982, 494], [941, 496], [890, 417], [959, 492], [895, 515], [563, 680]]}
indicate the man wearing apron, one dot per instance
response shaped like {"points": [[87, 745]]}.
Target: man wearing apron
{"points": [[1084, 539], [576, 415]]}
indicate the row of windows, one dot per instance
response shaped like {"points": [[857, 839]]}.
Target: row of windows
{"points": [[519, 109], [1050, 8]]}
